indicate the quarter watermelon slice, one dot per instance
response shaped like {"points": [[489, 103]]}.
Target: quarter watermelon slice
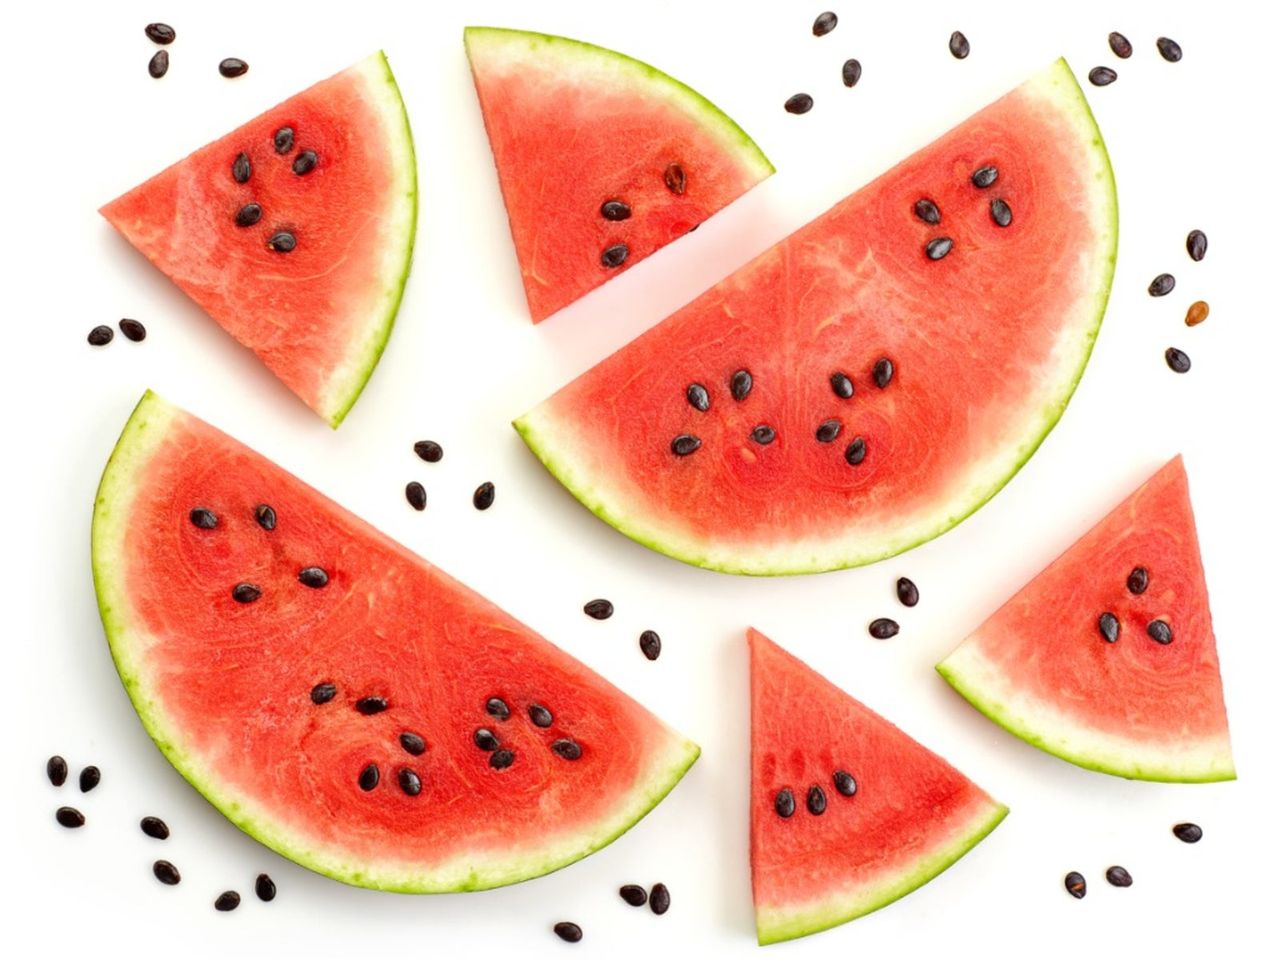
{"points": [[873, 814], [575, 127], [342, 700], [294, 231], [1107, 658], [845, 396]]}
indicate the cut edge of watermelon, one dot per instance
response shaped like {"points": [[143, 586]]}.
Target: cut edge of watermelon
{"points": [[556, 444], [142, 434], [990, 690]]}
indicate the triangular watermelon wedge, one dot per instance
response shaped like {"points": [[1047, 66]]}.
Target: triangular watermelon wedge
{"points": [[574, 127], [874, 814], [1147, 704], [333, 169], [339, 698]]}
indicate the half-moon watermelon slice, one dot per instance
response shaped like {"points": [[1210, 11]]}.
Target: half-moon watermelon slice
{"points": [[848, 813], [1107, 658], [342, 700], [294, 231], [602, 159], [877, 376]]}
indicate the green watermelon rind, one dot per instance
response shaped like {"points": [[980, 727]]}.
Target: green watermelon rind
{"points": [[777, 925], [542, 433], [144, 430]]}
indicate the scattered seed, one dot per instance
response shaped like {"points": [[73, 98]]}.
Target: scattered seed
{"points": [[410, 782], [650, 644], [1188, 832], [784, 803], [166, 873], [566, 748], [313, 577], [133, 330], [855, 452], [984, 177], [101, 335], [501, 759], [633, 894], [927, 211], [282, 242], [265, 888], [416, 494], [248, 215], [1102, 76], [484, 739], [938, 247], [56, 769], [283, 140], [698, 397], [568, 931], [305, 162], [824, 23], [540, 715], [323, 693], [203, 517], [816, 801], [598, 609], [413, 744], [827, 431], [764, 434], [1074, 882], [1197, 245], [241, 168], [371, 705], [958, 45], [659, 898], [1137, 580], [798, 103], [233, 67], [265, 516], [882, 372], [1197, 313], [160, 33], [1109, 627], [1161, 285], [908, 592], [841, 385], [482, 499], [1169, 49], [882, 628], [740, 384], [154, 827], [497, 707], [615, 255], [69, 817], [227, 901], [1119, 877], [1159, 631], [851, 73], [246, 592], [1001, 213], [369, 777], [428, 450], [846, 786], [1120, 45], [1178, 361], [90, 777], [685, 444], [158, 65], [674, 178]]}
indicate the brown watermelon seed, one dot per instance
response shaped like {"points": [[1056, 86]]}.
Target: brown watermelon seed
{"points": [[841, 385], [323, 692], [698, 397], [1188, 832], [248, 215], [203, 517], [482, 499], [1178, 361], [1120, 45], [371, 705], [227, 901], [313, 577], [846, 786], [824, 23], [927, 211], [241, 168], [1074, 882], [166, 873], [908, 592], [984, 177], [615, 255], [650, 645], [784, 803], [1162, 285], [598, 609], [938, 247], [615, 210], [740, 384], [1102, 76], [798, 103], [1109, 627], [1137, 580], [1197, 245], [428, 450], [409, 781], [827, 431], [484, 739], [154, 827], [568, 931], [56, 770], [882, 628], [634, 894], [566, 748], [413, 744], [1001, 213], [160, 33], [659, 898], [282, 140], [851, 72], [265, 888], [1197, 313], [685, 444], [90, 777], [816, 801], [282, 241], [1159, 631], [1169, 49], [246, 592], [855, 452], [958, 45], [305, 162], [1119, 877], [158, 65], [69, 817], [133, 330], [416, 494], [675, 179], [265, 516], [232, 67], [764, 434], [497, 707], [882, 372], [369, 777], [501, 759], [101, 335], [540, 715]]}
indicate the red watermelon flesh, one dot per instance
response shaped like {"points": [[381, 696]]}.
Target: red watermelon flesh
{"points": [[227, 685], [1041, 667], [903, 816], [984, 347], [574, 126], [320, 314]]}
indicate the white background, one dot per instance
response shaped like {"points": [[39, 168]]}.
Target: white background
{"points": [[1193, 146]]}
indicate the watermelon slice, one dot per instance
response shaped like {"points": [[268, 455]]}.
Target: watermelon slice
{"points": [[844, 397], [848, 813], [300, 250], [1145, 705], [342, 700], [575, 127]]}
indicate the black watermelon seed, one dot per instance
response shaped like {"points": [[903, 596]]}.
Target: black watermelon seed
{"points": [[764, 434], [410, 782], [615, 210], [958, 45], [56, 769], [659, 898], [908, 592], [482, 499], [685, 444], [90, 777], [855, 452], [698, 397], [1119, 877], [416, 494], [283, 140], [233, 67], [882, 628], [798, 103], [497, 707], [166, 873], [369, 777], [1161, 285], [927, 211], [1169, 49], [1102, 76], [1001, 213], [282, 242], [615, 255], [313, 577], [882, 372], [101, 335], [984, 177], [841, 385], [323, 693], [540, 715], [633, 894], [1137, 580], [846, 786], [248, 215], [1188, 832], [69, 817], [784, 803], [938, 247], [827, 431], [305, 162], [265, 888], [740, 384], [1120, 45], [1075, 884], [241, 168], [428, 450], [816, 801], [674, 178], [851, 73], [501, 759], [484, 739], [246, 592], [1178, 361], [1159, 631], [568, 931], [566, 748], [371, 705], [1109, 627], [650, 645], [227, 901], [413, 744], [203, 517], [158, 65], [160, 33], [824, 23], [598, 609], [154, 827], [133, 330], [265, 516], [1197, 245]]}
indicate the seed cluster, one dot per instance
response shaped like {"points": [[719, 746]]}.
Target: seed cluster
{"points": [[927, 211], [617, 210], [850, 70], [1120, 46], [132, 329], [282, 239], [815, 801], [1136, 584]]}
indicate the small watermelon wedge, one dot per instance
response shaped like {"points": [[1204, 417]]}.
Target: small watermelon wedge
{"points": [[848, 813], [1107, 658], [340, 699], [295, 231], [602, 159], [874, 378]]}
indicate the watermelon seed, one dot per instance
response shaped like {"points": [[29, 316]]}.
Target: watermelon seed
{"points": [[56, 769], [482, 499], [598, 609], [369, 777], [659, 898], [1137, 580], [1178, 361], [927, 211], [650, 644], [133, 330], [203, 518], [1074, 882], [958, 45], [166, 873], [855, 452], [937, 248], [227, 901], [265, 516], [158, 65], [241, 168], [154, 827], [824, 24], [323, 693], [841, 385], [764, 434], [698, 397], [882, 372], [305, 162], [1102, 76], [313, 577], [882, 628], [265, 888], [827, 431], [1109, 627], [846, 786], [283, 140], [1120, 45], [540, 715], [282, 242], [410, 782], [908, 592], [248, 215], [851, 72], [566, 748], [485, 740], [371, 705], [615, 255], [740, 384], [100, 336], [1197, 245], [428, 450], [568, 931], [69, 817], [798, 103], [674, 178], [413, 744], [501, 759], [1161, 285], [160, 33], [232, 67], [90, 777], [984, 177], [685, 444], [784, 803], [634, 894], [1197, 313], [1169, 49], [1159, 631], [497, 707], [816, 801], [245, 592], [1188, 832], [1119, 877], [1001, 213], [615, 210], [416, 494]]}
